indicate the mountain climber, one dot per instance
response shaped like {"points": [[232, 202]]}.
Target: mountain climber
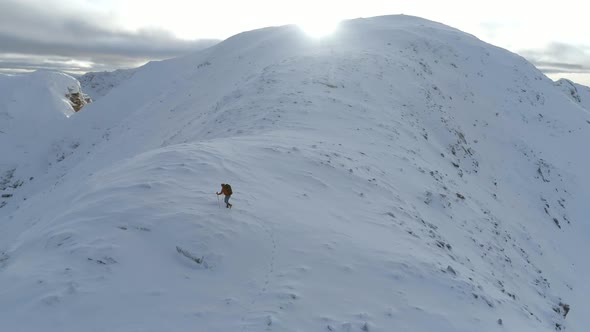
{"points": [[226, 190]]}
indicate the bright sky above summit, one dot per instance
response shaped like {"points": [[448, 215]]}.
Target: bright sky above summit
{"points": [[223, 18], [552, 35]]}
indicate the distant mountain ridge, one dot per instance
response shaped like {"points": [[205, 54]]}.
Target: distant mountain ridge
{"points": [[98, 84]]}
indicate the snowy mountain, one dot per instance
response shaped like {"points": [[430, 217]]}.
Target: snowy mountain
{"points": [[98, 84], [34, 109], [577, 92], [400, 175]]}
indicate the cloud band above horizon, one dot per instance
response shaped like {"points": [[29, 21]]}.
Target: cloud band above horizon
{"points": [[33, 37]]}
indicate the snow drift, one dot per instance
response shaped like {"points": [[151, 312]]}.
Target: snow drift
{"points": [[398, 175], [34, 111]]}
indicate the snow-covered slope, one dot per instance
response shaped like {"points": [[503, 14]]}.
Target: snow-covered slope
{"points": [[577, 92], [34, 110], [98, 84], [399, 175]]}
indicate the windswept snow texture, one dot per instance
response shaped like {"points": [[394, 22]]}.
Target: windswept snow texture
{"points": [[577, 92], [34, 113], [399, 175], [98, 84]]}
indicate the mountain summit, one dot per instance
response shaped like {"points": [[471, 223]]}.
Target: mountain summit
{"points": [[399, 175]]}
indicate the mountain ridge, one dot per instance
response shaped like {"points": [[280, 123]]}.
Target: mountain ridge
{"points": [[399, 173]]}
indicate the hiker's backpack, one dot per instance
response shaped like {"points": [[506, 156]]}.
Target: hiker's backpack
{"points": [[228, 189]]}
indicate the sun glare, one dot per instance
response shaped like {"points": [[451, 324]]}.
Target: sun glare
{"points": [[319, 28]]}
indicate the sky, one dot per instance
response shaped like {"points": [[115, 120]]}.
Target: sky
{"points": [[96, 35]]}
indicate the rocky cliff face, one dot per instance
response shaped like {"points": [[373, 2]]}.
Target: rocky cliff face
{"points": [[77, 99]]}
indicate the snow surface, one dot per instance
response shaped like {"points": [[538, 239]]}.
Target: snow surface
{"points": [[98, 84], [34, 110], [577, 92], [399, 175]]}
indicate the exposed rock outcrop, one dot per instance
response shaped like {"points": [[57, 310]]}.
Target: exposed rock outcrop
{"points": [[77, 99]]}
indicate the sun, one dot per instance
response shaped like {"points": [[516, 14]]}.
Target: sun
{"points": [[318, 28]]}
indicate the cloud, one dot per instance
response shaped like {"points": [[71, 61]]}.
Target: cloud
{"points": [[51, 35], [560, 67], [558, 58]]}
